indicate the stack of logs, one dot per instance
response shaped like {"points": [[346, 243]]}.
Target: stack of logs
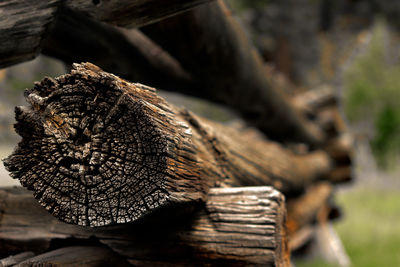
{"points": [[133, 180]]}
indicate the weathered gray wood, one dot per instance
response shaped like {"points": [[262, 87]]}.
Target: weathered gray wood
{"points": [[237, 227], [76, 256], [24, 24], [214, 49], [97, 150], [15, 259]]}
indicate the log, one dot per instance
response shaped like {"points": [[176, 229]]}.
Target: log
{"points": [[15, 259], [97, 150], [214, 49], [79, 256], [128, 13], [126, 53], [303, 211], [24, 24], [236, 227]]}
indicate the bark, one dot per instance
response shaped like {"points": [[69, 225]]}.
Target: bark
{"points": [[213, 48], [237, 227], [24, 24], [97, 150]]}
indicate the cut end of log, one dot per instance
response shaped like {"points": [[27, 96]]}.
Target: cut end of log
{"points": [[92, 150]]}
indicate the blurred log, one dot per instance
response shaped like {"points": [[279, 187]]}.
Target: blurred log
{"points": [[24, 24], [213, 48], [329, 246], [314, 99], [97, 150], [126, 53], [303, 210], [79, 256], [237, 227], [15, 259], [128, 13]]}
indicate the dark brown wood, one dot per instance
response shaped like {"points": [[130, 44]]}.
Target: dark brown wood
{"points": [[97, 150], [25, 24], [126, 53], [237, 227], [214, 49], [128, 13]]}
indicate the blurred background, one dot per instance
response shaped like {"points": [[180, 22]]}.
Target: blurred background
{"points": [[352, 46]]}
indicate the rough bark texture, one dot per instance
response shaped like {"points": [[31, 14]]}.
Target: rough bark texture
{"points": [[97, 150], [227, 69], [237, 227], [24, 24]]}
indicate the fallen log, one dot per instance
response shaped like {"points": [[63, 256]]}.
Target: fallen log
{"points": [[24, 24], [214, 49], [97, 150], [237, 227]]}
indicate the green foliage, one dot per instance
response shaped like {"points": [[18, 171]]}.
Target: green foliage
{"points": [[368, 230], [373, 93]]}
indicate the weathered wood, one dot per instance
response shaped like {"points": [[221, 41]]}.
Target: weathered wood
{"points": [[213, 48], [126, 53], [24, 24], [97, 150], [15, 259], [237, 227], [303, 210], [128, 13], [79, 256]]}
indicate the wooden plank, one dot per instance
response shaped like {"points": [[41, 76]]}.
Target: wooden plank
{"points": [[236, 227]]}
